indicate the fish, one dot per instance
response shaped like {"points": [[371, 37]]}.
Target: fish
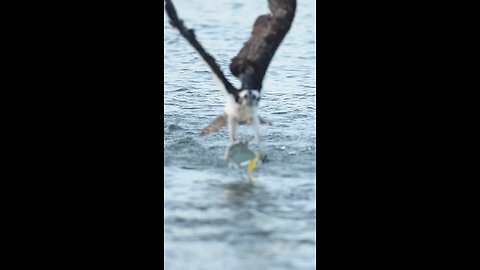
{"points": [[238, 154]]}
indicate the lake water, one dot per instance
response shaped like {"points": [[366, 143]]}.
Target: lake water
{"points": [[213, 219]]}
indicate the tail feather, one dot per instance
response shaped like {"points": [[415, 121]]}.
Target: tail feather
{"points": [[221, 121], [214, 126], [265, 121]]}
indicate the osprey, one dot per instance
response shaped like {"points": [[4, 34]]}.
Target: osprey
{"points": [[249, 66]]}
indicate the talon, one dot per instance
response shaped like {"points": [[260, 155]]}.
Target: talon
{"points": [[262, 156]]}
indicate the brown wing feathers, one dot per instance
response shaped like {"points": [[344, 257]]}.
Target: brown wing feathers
{"points": [[252, 61]]}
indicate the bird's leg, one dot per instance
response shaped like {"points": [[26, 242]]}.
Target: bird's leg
{"points": [[256, 134], [232, 128], [256, 129]]}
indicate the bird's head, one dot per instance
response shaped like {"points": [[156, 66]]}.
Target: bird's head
{"points": [[249, 97]]}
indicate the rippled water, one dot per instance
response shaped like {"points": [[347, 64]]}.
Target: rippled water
{"points": [[213, 218]]}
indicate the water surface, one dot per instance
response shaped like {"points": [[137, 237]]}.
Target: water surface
{"points": [[212, 218]]}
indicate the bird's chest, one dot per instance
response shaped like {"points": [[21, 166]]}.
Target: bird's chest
{"points": [[243, 114], [239, 112]]}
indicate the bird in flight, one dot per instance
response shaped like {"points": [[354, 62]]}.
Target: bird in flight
{"points": [[250, 66]]}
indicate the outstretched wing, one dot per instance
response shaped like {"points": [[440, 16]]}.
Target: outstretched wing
{"points": [[190, 36], [252, 61]]}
